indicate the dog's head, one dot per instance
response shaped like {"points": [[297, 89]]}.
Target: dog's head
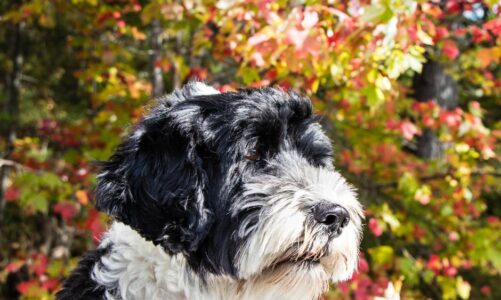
{"points": [[241, 183]]}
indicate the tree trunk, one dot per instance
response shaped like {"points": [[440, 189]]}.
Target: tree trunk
{"points": [[433, 84], [157, 80], [13, 86]]}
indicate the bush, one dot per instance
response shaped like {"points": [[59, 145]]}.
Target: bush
{"points": [[409, 92]]}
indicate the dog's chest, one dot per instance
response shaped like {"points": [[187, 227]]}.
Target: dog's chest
{"points": [[135, 269]]}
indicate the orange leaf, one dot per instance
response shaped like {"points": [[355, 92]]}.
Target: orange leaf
{"points": [[82, 197], [487, 56]]}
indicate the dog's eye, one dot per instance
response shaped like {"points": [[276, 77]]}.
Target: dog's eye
{"points": [[253, 155]]}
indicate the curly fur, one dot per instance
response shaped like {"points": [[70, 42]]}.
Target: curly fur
{"points": [[213, 196]]}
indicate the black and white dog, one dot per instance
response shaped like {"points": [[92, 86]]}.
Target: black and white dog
{"points": [[222, 196]]}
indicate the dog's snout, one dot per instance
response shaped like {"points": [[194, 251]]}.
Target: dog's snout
{"points": [[332, 215]]}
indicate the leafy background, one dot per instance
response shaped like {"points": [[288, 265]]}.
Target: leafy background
{"points": [[409, 92]]}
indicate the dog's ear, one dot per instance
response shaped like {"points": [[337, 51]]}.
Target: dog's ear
{"points": [[156, 181]]}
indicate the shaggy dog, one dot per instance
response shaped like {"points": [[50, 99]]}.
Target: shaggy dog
{"points": [[222, 196]]}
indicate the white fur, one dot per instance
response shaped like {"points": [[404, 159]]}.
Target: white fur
{"points": [[198, 88], [285, 221], [136, 269], [144, 271]]}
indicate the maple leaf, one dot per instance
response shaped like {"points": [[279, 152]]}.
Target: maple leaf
{"points": [[94, 224], [450, 49], [25, 286], [12, 193], [40, 265], [66, 210], [494, 26], [434, 263], [374, 227], [408, 129], [82, 197]]}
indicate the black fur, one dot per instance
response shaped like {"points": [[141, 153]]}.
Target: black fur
{"points": [[80, 286], [176, 175]]}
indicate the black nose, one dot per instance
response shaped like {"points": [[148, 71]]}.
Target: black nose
{"points": [[332, 215]]}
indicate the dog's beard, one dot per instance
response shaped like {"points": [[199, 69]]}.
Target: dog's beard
{"points": [[285, 245], [313, 256]]}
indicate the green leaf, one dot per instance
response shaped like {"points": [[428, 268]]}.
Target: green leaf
{"points": [[375, 97], [381, 255], [55, 268], [446, 210], [249, 75], [39, 203], [51, 180], [409, 270], [408, 184], [377, 13]]}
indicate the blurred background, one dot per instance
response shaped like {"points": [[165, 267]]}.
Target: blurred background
{"points": [[409, 91]]}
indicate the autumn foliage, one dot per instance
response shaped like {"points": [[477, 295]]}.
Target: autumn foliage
{"points": [[409, 91]]}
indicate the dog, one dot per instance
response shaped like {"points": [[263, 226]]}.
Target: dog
{"points": [[222, 196]]}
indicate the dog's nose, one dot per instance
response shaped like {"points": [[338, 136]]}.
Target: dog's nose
{"points": [[332, 215]]}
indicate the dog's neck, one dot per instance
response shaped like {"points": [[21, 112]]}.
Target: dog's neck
{"points": [[134, 268]]}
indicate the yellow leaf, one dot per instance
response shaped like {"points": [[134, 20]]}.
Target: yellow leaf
{"points": [[424, 37], [463, 288]]}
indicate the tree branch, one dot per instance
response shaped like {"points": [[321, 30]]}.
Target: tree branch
{"points": [[157, 80]]}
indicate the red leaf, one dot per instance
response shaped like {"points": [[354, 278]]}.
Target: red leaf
{"points": [[450, 49], [479, 35], [198, 73], [11, 194], [391, 124], [460, 31], [136, 7], [453, 6], [434, 263], [23, 287], [451, 118], [375, 227], [441, 33], [486, 290], [412, 33], [40, 265], [494, 26], [493, 220], [14, 266], [408, 129], [103, 17], [418, 232], [450, 271], [50, 284], [66, 210], [428, 120], [343, 287], [363, 265], [121, 23], [453, 236], [94, 224]]}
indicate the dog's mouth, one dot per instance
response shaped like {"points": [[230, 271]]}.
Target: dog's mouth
{"points": [[303, 260]]}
